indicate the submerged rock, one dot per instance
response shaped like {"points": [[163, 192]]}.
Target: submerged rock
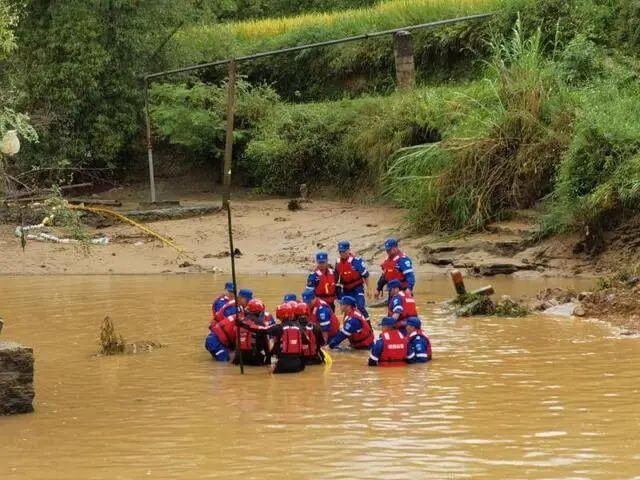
{"points": [[16, 379]]}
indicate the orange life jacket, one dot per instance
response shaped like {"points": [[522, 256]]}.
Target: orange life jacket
{"points": [[349, 276], [391, 272], [326, 288], [225, 330], [310, 350], [409, 308], [394, 348], [335, 323], [363, 337]]}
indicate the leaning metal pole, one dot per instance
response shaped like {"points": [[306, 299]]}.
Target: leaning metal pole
{"points": [[152, 180]]}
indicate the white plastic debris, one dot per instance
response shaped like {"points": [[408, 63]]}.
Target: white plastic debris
{"points": [[563, 310]]}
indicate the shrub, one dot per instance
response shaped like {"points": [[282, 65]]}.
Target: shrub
{"points": [[599, 176], [326, 143], [499, 156], [194, 116]]}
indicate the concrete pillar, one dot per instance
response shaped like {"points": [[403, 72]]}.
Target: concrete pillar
{"points": [[405, 67], [16, 379]]}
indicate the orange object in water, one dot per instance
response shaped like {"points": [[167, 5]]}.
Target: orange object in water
{"points": [[458, 282]]}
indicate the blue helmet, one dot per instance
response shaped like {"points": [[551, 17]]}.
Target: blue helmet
{"points": [[347, 300], [245, 293], [395, 283], [344, 246], [390, 243], [229, 286], [308, 295], [414, 322], [290, 297], [322, 257], [388, 322]]}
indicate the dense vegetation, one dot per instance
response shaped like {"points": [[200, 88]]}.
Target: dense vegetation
{"points": [[538, 106]]}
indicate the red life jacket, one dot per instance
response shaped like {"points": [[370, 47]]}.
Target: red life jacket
{"points": [[363, 337], [420, 333], [326, 288], [313, 318], [291, 341], [391, 272], [225, 330], [394, 348], [310, 350], [409, 308], [220, 315], [247, 338], [349, 276]]}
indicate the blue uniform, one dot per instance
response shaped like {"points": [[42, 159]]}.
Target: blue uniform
{"points": [[357, 292], [323, 314], [376, 351], [418, 348], [217, 349], [351, 325], [404, 266], [219, 302]]}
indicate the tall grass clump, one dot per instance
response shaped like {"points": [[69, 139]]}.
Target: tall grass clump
{"points": [[598, 181], [500, 156]]}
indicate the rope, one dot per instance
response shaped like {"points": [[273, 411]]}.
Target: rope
{"points": [[107, 212]]}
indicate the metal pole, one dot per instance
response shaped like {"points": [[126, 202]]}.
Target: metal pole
{"points": [[228, 147], [152, 180], [235, 287]]}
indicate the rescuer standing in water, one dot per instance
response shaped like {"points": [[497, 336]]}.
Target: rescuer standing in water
{"points": [[401, 305], [321, 313], [289, 340], [352, 276], [397, 266], [323, 280]]}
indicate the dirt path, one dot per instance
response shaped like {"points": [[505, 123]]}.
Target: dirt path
{"points": [[272, 240]]}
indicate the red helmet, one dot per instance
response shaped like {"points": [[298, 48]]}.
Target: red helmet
{"points": [[255, 306], [302, 309], [284, 311]]}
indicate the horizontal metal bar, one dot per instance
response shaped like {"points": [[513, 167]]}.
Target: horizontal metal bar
{"points": [[365, 36]]}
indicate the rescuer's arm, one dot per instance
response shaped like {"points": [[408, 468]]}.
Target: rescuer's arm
{"points": [[374, 354], [405, 266]]}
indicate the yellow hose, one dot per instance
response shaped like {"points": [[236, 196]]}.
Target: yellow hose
{"points": [[104, 211]]}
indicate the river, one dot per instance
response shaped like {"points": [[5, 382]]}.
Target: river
{"points": [[526, 398]]}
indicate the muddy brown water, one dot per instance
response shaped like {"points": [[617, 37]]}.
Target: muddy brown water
{"points": [[504, 398]]}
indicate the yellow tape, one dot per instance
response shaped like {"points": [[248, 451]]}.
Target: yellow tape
{"points": [[105, 211]]}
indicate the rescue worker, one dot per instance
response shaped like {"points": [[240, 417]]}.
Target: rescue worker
{"points": [[220, 300], [355, 327], [352, 276], [391, 348], [321, 313], [255, 347], [229, 308], [419, 345], [323, 280], [401, 305], [397, 266], [289, 340], [222, 337], [290, 297], [312, 352]]}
